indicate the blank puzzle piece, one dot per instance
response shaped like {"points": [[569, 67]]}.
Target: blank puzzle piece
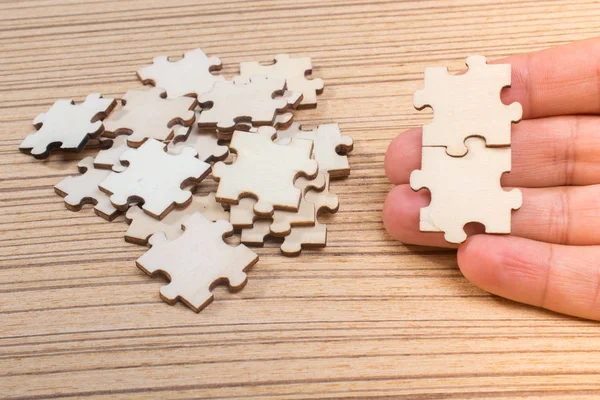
{"points": [[467, 105], [67, 125], [148, 114], [190, 76], [83, 189], [155, 177], [197, 261], [328, 140], [204, 141], [264, 170], [143, 226], [465, 189], [257, 100], [293, 70], [109, 158]]}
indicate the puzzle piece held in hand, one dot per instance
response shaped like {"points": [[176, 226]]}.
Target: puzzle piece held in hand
{"points": [[204, 141], [328, 141], [83, 189], [109, 158], [155, 177], [293, 70], [148, 114], [265, 170], [143, 226], [197, 261], [190, 76], [257, 100], [467, 105], [67, 125], [465, 189]]}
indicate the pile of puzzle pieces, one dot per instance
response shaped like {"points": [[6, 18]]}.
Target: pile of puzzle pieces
{"points": [[273, 175], [466, 149]]}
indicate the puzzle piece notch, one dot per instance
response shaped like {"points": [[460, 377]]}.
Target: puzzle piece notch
{"points": [[330, 146], [282, 121], [465, 189], [67, 125], [197, 261], [293, 70], [83, 189], [467, 105], [143, 226], [156, 178], [265, 170], [256, 100], [148, 114], [189, 76], [110, 158], [204, 141], [304, 237]]}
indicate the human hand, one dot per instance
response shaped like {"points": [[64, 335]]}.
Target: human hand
{"points": [[552, 257]]}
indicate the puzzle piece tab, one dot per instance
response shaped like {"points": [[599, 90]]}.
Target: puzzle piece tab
{"points": [[83, 189], [148, 114], [467, 105], [204, 141], [465, 189], [190, 76], [110, 158], [67, 125], [197, 261], [293, 70], [155, 177]]}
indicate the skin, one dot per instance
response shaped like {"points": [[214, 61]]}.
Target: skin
{"points": [[552, 257]]}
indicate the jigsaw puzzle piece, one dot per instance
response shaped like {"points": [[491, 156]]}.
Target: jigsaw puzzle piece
{"points": [[303, 237], [197, 261], [67, 125], [83, 189], [110, 158], [190, 76], [466, 189], [204, 141], [256, 234]]}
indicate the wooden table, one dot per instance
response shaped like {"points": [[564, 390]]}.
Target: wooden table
{"points": [[365, 317]]}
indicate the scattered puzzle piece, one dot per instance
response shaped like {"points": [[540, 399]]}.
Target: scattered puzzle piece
{"points": [[467, 105], [197, 261], [148, 114], [256, 234], [293, 70], [143, 226], [323, 199], [155, 177], [302, 237], [282, 121], [67, 125], [109, 158], [83, 189], [204, 141], [265, 170], [257, 101], [328, 140], [190, 76], [465, 189]]}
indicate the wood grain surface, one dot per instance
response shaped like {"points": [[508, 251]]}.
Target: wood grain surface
{"points": [[365, 317]]}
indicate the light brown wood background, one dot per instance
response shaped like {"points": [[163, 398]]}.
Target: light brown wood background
{"points": [[366, 317]]}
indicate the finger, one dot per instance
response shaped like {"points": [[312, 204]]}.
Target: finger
{"points": [[565, 279], [563, 215], [556, 151], [561, 80]]}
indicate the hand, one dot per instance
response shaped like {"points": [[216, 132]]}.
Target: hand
{"points": [[552, 258]]}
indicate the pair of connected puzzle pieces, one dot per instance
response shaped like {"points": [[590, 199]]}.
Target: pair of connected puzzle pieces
{"points": [[466, 149]]}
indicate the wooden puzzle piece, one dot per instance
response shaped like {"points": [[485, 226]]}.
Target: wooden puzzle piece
{"points": [[143, 226], [83, 189], [257, 100], [465, 189], [197, 261], [109, 158], [242, 214], [328, 141], [149, 114], [264, 170], [190, 76], [204, 141], [467, 105], [293, 70], [67, 125], [302, 237], [257, 233], [155, 177], [282, 121], [323, 200]]}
